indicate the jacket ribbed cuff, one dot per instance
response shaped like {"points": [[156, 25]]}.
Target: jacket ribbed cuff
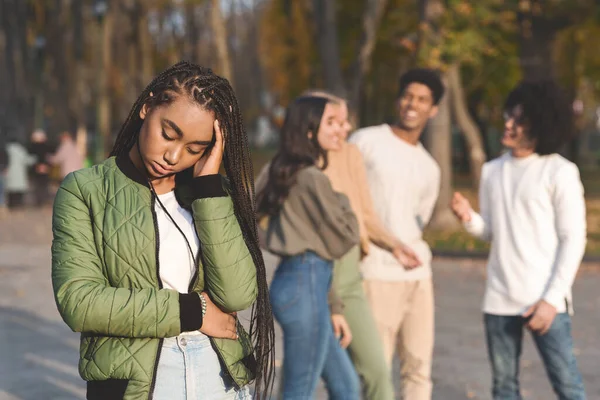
{"points": [[207, 186], [201, 187], [190, 311]]}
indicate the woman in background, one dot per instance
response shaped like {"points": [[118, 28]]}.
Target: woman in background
{"points": [[309, 226], [17, 180], [346, 172]]}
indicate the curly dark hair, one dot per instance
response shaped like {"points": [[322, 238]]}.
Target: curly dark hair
{"points": [[547, 114], [215, 94], [296, 151], [425, 76]]}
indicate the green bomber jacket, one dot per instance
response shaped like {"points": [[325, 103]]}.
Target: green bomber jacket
{"points": [[105, 275]]}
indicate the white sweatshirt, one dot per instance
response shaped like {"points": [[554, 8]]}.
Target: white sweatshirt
{"points": [[533, 212], [404, 182]]}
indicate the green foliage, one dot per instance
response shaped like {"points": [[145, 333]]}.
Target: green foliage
{"points": [[577, 56], [482, 36], [288, 51], [467, 32]]}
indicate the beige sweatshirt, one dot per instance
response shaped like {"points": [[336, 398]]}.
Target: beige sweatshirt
{"points": [[346, 171]]}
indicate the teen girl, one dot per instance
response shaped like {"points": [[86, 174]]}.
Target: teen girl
{"points": [[154, 252]]}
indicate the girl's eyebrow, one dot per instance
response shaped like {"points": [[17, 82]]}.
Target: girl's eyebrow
{"points": [[179, 133]]}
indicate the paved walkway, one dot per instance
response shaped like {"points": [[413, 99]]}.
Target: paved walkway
{"points": [[38, 353]]}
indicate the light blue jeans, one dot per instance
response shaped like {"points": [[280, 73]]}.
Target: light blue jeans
{"points": [[189, 369], [311, 350]]}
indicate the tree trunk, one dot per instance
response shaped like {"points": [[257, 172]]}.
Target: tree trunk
{"points": [[220, 35], [55, 76], [79, 99], [104, 139], [537, 32], [19, 116], [439, 140], [371, 19], [467, 125], [324, 12], [191, 32], [11, 113], [145, 47]]}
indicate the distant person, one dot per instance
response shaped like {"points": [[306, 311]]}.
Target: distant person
{"points": [[3, 171], [346, 171], [40, 171], [532, 210], [67, 156], [309, 227], [404, 182], [154, 252], [17, 181]]}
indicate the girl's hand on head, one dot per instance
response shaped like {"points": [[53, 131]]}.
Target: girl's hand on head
{"points": [[218, 324], [210, 163]]}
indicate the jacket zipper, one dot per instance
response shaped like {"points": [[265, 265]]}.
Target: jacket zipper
{"points": [[160, 286], [223, 363], [191, 287], [194, 280]]}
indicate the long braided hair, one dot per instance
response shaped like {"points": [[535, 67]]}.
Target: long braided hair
{"points": [[215, 94]]}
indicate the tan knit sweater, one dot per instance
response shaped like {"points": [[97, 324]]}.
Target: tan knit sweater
{"points": [[346, 171]]}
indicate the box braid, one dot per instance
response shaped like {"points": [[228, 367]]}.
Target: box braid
{"points": [[215, 94]]}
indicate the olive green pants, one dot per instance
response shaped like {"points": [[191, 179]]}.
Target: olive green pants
{"points": [[366, 349]]}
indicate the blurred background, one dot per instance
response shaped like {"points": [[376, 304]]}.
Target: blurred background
{"points": [[78, 66]]}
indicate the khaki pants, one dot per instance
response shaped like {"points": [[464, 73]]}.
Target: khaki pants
{"points": [[366, 350], [404, 315]]}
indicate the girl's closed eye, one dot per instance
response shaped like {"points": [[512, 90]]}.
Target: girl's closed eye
{"points": [[193, 152], [165, 136]]}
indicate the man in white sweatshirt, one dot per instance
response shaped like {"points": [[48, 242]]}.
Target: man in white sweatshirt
{"points": [[404, 183], [532, 210]]}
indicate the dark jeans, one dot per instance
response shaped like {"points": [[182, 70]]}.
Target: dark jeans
{"points": [[299, 300], [40, 185], [504, 340], [15, 200]]}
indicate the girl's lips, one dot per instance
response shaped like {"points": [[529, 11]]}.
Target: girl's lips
{"points": [[159, 169]]}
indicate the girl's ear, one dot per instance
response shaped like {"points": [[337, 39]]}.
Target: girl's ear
{"points": [[309, 134], [145, 108], [144, 111]]}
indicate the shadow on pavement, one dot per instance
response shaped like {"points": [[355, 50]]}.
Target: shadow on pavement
{"points": [[38, 358]]}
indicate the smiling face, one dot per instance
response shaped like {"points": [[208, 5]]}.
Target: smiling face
{"points": [[514, 137], [174, 136], [346, 126], [415, 107], [329, 135]]}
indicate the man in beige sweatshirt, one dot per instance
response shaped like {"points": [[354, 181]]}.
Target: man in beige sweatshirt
{"points": [[404, 183]]}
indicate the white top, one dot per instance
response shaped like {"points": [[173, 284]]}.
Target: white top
{"points": [[177, 266], [404, 182], [19, 160], [533, 212]]}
